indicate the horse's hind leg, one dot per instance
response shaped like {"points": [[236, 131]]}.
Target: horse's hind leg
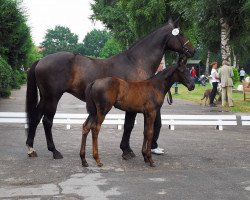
{"points": [[49, 112], [33, 123], [128, 127]]}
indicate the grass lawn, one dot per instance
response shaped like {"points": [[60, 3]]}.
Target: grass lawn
{"points": [[197, 94]]}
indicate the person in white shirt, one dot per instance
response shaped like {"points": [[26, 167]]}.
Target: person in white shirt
{"points": [[215, 81], [242, 74]]}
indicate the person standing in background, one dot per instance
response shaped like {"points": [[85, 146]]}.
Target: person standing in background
{"points": [[215, 81], [226, 74], [193, 73], [242, 74]]}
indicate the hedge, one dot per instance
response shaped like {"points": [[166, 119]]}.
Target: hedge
{"points": [[5, 78]]}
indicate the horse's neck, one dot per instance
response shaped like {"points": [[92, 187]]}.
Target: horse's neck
{"points": [[148, 52]]}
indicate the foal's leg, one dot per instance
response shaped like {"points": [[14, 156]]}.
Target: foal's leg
{"points": [[157, 129], [149, 119], [95, 131], [128, 126], [33, 123], [85, 130], [49, 113]]}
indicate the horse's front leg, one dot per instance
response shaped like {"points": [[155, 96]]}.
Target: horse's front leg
{"points": [[128, 126], [149, 119]]}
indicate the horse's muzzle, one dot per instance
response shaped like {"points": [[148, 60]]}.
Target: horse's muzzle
{"points": [[189, 52]]}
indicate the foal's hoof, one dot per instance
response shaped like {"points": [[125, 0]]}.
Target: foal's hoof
{"points": [[57, 155], [146, 160], [85, 164], [152, 165], [99, 164], [32, 154]]}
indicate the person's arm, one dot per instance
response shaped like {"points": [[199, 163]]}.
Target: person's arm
{"points": [[219, 73]]}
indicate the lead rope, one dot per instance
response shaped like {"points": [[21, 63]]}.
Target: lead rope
{"points": [[169, 98]]}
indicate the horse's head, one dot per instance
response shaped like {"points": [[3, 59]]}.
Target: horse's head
{"points": [[182, 74], [176, 40]]}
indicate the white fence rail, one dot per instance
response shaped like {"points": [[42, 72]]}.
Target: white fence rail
{"points": [[199, 120], [62, 118], [118, 119], [245, 120]]}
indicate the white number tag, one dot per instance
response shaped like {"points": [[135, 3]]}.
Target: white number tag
{"points": [[175, 31]]}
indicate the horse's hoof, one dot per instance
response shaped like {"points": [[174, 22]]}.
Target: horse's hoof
{"points": [[132, 154], [146, 160], [57, 155], [32, 154], [99, 164], [126, 156], [85, 164]]}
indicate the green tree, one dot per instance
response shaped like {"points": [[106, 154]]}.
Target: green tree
{"points": [[110, 48], [114, 16], [59, 39], [94, 41], [15, 38]]}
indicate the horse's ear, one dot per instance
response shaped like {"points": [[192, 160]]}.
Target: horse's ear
{"points": [[176, 22], [170, 20]]}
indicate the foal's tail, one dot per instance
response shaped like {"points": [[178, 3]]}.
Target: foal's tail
{"points": [[90, 104], [31, 93]]}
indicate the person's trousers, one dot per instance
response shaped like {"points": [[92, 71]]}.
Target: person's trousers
{"points": [[227, 95], [213, 92]]}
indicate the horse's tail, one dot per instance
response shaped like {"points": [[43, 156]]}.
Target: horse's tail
{"points": [[90, 104], [31, 93]]}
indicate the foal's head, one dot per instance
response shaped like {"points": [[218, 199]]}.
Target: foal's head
{"points": [[182, 74]]}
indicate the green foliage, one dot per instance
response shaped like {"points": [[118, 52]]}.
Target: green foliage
{"points": [[17, 79], [59, 39], [32, 56], [110, 48], [15, 39], [115, 17], [93, 42], [5, 78], [236, 76]]}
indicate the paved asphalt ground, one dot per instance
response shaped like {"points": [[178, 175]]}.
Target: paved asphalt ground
{"points": [[200, 163]]}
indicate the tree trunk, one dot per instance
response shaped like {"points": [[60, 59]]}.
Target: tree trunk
{"points": [[234, 59], [225, 35], [207, 61]]}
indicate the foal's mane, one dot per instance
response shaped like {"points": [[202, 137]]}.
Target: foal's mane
{"points": [[182, 60]]}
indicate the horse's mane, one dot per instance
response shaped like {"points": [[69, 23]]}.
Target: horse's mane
{"points": [[146, 36]]}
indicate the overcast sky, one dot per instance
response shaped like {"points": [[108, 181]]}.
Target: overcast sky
{"points": [[46, 14]]}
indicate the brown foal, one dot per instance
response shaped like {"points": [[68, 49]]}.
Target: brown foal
{"points": [[133, 96]]}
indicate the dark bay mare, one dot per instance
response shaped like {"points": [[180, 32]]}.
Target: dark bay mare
{"points": [[131, 96], [67, 72]]}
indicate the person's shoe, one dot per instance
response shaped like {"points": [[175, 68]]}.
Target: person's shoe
{"points": [[161, 149], [157, 151], [213, 105]]}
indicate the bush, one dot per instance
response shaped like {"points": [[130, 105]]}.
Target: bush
{"points": [[5, 78], [18, 78], [236, 76]]}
